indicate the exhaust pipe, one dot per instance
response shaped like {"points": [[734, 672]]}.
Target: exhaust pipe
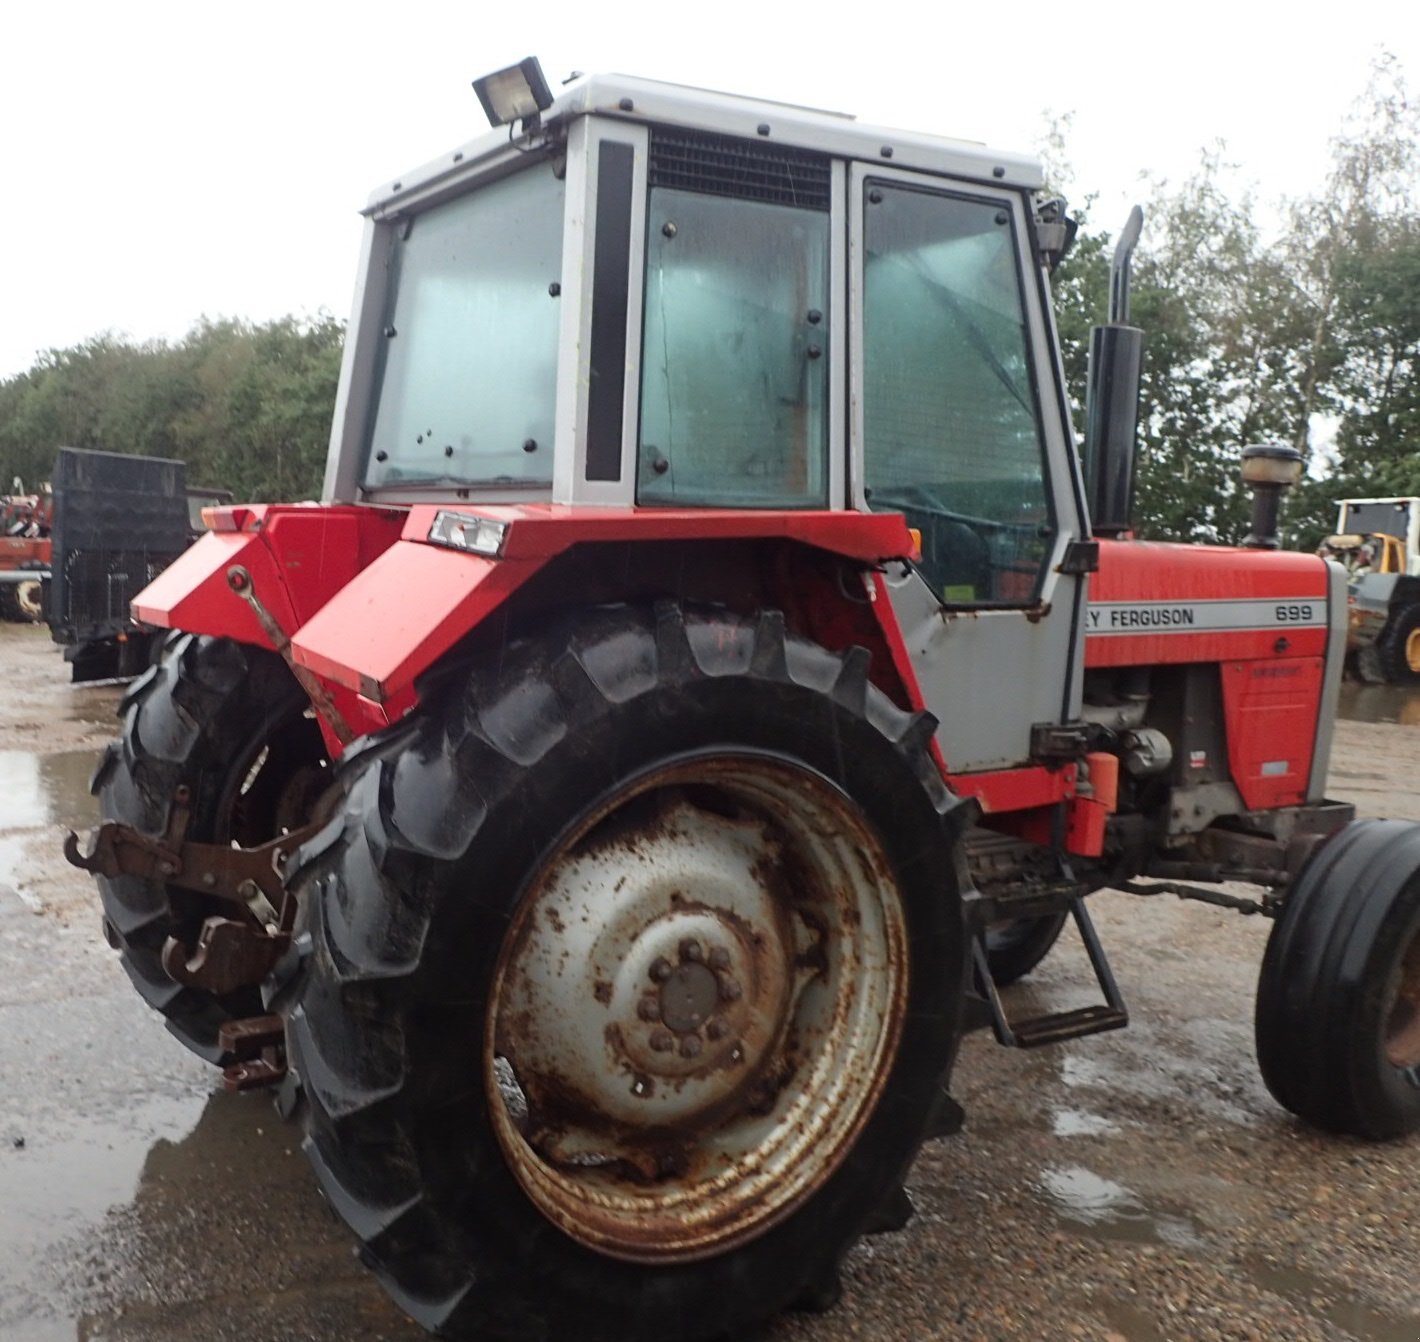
{"points": [[1269, 470], [1112, 398]]}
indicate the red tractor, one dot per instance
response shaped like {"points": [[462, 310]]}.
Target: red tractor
{"points": [[710, 675], [24, 554]]}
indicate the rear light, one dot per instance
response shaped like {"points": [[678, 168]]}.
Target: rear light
{"points": [[467, 531]]}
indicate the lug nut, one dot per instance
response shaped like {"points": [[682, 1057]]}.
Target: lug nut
{"points": [[730, 990], [717, 1029], [691, 950], [660, 970], [690, 1046], [649, 1007], [719, 958], [663, 1041]]}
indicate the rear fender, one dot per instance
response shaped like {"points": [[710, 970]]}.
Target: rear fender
{"points": [[286, 560], [398, 617]]}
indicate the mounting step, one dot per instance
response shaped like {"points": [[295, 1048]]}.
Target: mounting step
{"points": [[1111, 1014]]}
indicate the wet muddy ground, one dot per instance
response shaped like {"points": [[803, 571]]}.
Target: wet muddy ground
{"points": [[1137, 1186]]}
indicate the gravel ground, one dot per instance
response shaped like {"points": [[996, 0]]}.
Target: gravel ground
{"points": [[1140, 1185]]}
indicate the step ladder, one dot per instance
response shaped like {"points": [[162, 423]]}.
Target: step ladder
{"points": [[1051, 1028]]}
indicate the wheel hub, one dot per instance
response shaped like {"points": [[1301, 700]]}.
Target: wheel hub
{"points": [[696, 1008], [672, 926]]}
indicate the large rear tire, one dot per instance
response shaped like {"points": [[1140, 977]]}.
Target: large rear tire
{"points": [[231, 724], [1338, 999], [633, 983]]}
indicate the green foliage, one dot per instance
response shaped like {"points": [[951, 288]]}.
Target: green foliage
{"points": [[1310, 336], [247, 407]]}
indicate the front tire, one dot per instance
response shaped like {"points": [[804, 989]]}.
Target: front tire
{"points": [[634, 981], [1338, 999]]}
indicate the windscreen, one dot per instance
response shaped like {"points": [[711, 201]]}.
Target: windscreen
{"points": [[1393, 519], [468, 380]]}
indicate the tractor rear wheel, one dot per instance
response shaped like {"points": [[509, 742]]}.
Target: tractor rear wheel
{"points": [[633, 983], [1398, 647], [1338, 1000], [230, 724]]}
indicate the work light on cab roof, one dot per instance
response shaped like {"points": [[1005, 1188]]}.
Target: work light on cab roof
{"points": [[519, 93]]}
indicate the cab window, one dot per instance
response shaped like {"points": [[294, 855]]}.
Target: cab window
{"points": [[467, 383], [734, 370], [951, 429]]}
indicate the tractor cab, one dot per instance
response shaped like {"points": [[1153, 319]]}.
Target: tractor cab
{"points": [[647, 297]]}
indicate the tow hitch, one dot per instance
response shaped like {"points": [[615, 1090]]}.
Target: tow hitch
{"points": [[231, 952]]}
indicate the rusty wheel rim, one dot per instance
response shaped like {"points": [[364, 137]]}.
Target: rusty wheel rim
{"points": [[1402, 1031], [696, 1008]]}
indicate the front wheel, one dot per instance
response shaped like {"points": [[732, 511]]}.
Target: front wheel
{"points": [[1338, 1000], [634, 981]]}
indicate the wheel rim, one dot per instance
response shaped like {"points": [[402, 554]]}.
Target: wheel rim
{"points": [[696, 1008], [29, 596], [1412, 650], [1402, 1032]]}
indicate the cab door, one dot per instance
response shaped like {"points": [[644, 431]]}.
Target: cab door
{"points": [[958, 421]]}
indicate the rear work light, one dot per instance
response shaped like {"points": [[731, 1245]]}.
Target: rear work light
{"points": [[464, 531]]}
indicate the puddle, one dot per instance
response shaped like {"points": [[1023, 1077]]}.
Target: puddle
{"points": [[1201, 1065], [40, 790], [1112, 1211], [206, 1202], [1380, 703], [1316, 1295], [60, 1182], [1078, 1123]]}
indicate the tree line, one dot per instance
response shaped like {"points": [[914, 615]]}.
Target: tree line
{"points": [[246, 405], [1305, 330]]}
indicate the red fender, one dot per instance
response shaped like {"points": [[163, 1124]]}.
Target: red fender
{"points": [[416, 600]]}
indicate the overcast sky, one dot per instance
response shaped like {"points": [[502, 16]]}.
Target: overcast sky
{"points": [[169, 160]]}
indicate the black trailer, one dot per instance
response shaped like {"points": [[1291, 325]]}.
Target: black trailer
{"points": [[119, 520]]}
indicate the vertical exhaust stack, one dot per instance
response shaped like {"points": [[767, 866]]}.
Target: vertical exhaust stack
{"points": [[1269, 470], [1112, 397]]}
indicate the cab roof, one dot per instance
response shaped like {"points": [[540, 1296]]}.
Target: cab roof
{"points": [[651, 102]]}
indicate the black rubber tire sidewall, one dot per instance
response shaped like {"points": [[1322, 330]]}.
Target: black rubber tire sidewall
{"points": [[1328, 976], [1390, 646], [473, 1236], [197, 717], [1022, 945]]}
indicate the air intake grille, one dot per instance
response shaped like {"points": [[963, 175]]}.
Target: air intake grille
{"points": [[719, 165]]}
